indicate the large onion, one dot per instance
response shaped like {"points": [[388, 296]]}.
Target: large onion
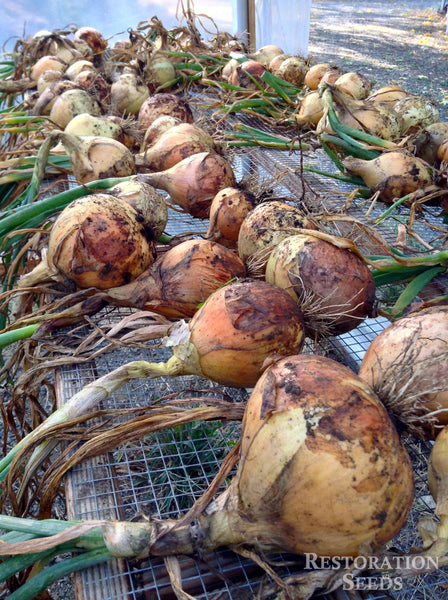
{"points": [[406, 366], [416, 111], [393, 174], [163, 104], [228, 210], [264, 227], [180, 280], [71, 103], [334, 288], [354, 84], [127, 94], [193, 182], [96, 241]]}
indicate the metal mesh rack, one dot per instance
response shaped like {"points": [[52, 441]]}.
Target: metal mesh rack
{"points": [[163, 474]]}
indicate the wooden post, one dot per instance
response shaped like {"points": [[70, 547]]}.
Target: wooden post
{"points": [[251, 24]]}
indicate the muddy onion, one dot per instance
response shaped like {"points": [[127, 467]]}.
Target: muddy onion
{"points": [[127, 94], [180, 280], [193, 182], [248, 75], [71, 103], [228, 210], [416, 111], [393, 174], [333, 287], [163, 104], [406, 366], [429, 139], [321, 468], [263, 228]]}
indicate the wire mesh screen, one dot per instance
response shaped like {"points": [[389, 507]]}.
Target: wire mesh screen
{"points": [[161, 475]]}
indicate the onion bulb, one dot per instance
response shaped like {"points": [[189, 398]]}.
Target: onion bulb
{"points": [[47, 63], [71, 103], [263, 228], [47, 78], [331, 75], [180, 280], [163, 104], [314, 75], [292, 69], [311, 109], [248, 75], [353, 84], [438, 485], [406, 366], [416, 111], [92, 125], [265, 54], [428, 141], [393, 174], [228, 68], [95, 157], [173, 145], [96, 241], [442, 151], [127, 94], [95, 84], [48, 96], [322, 469], [333, 287], [80, 65], [147, 202], [388, 94], [92, 37], [193, 182], [159, 71], [155, 130], [228, 210]]}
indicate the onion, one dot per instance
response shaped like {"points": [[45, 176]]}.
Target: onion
{"points": [[428, 141], [388, 94], [311, 109], [406, 366], [173, 145], [155, 130], [91, 125], [127, 94], [228, 69], [248, 75], [78, 66], [95, 157], [438, 486], [163, 104], [276, 62], [92, 37], [95, 84], [228, 209], [265, 54], [354, 84], [147, 202], [159, 71], [180, 280], [71, 103], [393, 174], [333, 287], [47, 78], [263, 228], [331, 75], [322, 469], [194, 181], [96, 241], [442, 151], [314, 75], [416, 111], [47, 63], [291, 69], [49, 95]]}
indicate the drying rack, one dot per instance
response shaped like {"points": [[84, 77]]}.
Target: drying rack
{"points": [[163, 474]]}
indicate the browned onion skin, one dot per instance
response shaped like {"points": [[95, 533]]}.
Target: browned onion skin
{"points": [[163, 104], [242, 325], [406, 365], [228, 210], [336, 283], [98, 242], [181, 279]]}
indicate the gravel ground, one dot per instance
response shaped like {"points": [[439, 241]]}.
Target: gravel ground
{"points": [[403, 43]]}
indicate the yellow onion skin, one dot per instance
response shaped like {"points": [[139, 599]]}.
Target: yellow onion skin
{"points": [[248, 75], [163, 104], [193, 182], [416, 111], [73, 102], [406, 366], [242, 325], [311, 109], [393, 174], [48, 97], [387, 94], [181, 279], [98, 242], [228, 210], [428, 141], [264, 227], [314, 75], [442, 151], [322, 469], [334, 287], [173, 145], [354, 84]]}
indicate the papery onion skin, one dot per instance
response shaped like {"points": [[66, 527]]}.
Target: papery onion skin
{"points": [[314, 75], [163, 104], [97, 241], [181, 279], [240, 326], [322, 468], [228, 209], [406, 365], [334, 287]]}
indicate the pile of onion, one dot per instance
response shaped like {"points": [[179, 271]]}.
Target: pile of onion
{"points": [[406, 366], [333, 287], [96, 241]]}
